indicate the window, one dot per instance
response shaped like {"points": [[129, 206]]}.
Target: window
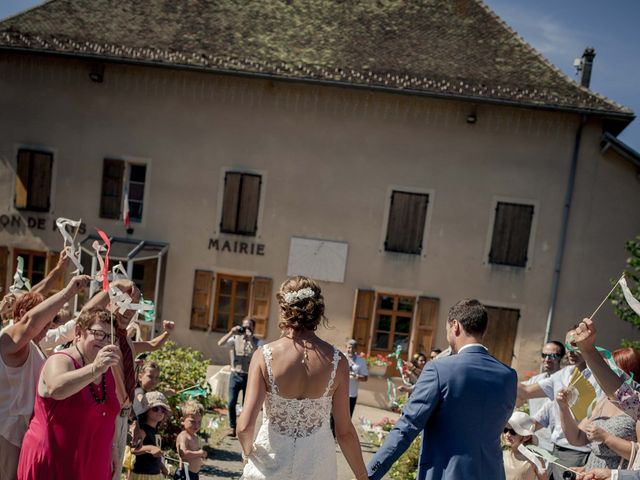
{"points": [[405, 228], [240, 203], [231, 301], [35, 264], [392, 322], [33, 180], [511, 231], [235, 298], [122, 180]]}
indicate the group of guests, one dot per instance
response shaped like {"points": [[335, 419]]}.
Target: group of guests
{"points": [[68, 386]]}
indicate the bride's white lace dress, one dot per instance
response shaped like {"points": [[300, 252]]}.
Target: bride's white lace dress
{"points": [[295, 440]]}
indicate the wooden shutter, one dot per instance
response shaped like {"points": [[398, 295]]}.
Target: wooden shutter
{"points": [[52, 260], [260, 304], [40, 181], [501, 332], [407, 216], [230, 202], [249, 204], [201, 302], [112, 183], [22, 179], [424, 330], [4, 267], [362, 317], [511, 231]]}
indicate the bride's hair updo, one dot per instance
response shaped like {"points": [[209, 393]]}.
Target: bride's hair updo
{"points": [[301, 304]]}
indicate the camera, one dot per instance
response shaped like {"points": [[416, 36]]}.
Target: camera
{"points": [[567, 475]]}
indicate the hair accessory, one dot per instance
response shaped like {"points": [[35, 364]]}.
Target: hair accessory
{"points": [[293, 297]]}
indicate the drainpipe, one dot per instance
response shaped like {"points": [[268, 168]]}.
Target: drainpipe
{"points": [[555, 284]]}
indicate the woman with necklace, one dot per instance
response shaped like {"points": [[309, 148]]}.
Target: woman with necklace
{"points": [[72, 428]]}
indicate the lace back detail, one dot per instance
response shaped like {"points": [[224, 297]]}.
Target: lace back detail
{"points": [[297, 417], [336, 359], [268, 357]]}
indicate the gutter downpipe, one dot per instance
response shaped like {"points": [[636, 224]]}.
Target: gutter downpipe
{"points": [[555, 283]]}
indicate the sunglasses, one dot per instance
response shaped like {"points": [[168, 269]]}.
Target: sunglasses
{"points": [[99, 335], [551, 356], [509, 430], [158, 409]]}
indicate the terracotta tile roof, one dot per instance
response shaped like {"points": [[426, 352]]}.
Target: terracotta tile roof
{"points": [[453, 48]]}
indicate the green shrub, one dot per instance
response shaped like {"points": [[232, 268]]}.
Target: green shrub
{"points": [[180, 368], [406, 468], [632, 273]]}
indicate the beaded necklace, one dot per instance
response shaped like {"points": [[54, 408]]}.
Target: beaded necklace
{"points": [[92, 387]]}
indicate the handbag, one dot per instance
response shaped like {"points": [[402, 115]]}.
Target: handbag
{"points": [[634, 460]]}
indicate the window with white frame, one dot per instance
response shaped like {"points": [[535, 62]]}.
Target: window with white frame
{"points": [[123, 181]]}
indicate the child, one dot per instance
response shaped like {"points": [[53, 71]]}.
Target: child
{"points": [[188, 443], [148, 464], [148, 380]]}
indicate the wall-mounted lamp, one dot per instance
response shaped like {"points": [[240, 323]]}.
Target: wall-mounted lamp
{"points": [[96, 73], [472, 117]]}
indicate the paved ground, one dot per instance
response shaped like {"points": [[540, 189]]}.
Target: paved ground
{"points": [[226, 462]]}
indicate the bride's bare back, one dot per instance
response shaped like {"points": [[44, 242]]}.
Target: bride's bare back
{"points": [[296, 379]]}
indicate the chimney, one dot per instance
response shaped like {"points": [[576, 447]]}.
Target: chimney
{"points": [[586, 66]]}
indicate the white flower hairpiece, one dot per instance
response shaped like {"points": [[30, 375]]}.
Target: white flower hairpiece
{"points": [[292, 297]]}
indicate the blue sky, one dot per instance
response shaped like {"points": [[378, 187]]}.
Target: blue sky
{"points": [[560, 30]]}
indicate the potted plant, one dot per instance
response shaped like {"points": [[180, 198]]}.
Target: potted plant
{"points": [[377, 364]]}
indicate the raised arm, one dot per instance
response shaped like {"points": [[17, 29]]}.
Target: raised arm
{"points": [[35, 320], [255, 394], [585, 337], [59, 378], [156, 342], [45, 285], [345, 432], [574, 435]]}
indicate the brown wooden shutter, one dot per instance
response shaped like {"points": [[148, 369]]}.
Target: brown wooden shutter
{"points": [[362, 317], [4, 267], [425, 327], [22, 179], [230, 202], [407, 216], [249, 204], [40, 185], [260, 304], [201, 302], [511, 231], [112, 184], [501, 332], [52, 260]]}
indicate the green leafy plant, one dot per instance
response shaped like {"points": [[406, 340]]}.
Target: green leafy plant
{"points": [[180, 369], [406, 468], [632, 274]]}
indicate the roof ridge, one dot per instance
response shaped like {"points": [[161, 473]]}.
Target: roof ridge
{"points": [[544, 59]]}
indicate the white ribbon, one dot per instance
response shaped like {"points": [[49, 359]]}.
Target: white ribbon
{"points": [[20, 283], [73, 251], [532, 457], [628, 296]]}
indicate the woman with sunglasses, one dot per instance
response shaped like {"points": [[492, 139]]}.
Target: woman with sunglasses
{"points": [[517, 434], [72, 428]]}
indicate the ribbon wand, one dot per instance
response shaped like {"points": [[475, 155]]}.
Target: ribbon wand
{"points": [[606, 298]]}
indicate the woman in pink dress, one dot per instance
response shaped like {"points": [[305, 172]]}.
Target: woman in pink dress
{"points": [[72, 428]]}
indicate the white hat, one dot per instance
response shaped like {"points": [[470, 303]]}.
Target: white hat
{"points": [[522, 424]]}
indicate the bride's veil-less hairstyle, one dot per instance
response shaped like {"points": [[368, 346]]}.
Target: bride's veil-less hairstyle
{"points": [[301, 304]]}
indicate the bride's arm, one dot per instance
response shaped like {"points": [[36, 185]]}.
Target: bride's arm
{"points": [[345, 431], [255, 393]]}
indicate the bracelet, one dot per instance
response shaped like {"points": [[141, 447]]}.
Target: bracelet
{"points": [[245, 457], [93, 370]]}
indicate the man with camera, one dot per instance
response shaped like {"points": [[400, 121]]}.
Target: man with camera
{"points": [[242, 343]]}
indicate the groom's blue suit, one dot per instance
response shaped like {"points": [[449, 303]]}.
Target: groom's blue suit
{"points": [[461, 403]]}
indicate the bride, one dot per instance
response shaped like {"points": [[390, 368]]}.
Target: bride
{"points": [[302, 380]]}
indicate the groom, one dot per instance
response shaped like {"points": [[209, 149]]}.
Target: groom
{"points": [[461, 404]]}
